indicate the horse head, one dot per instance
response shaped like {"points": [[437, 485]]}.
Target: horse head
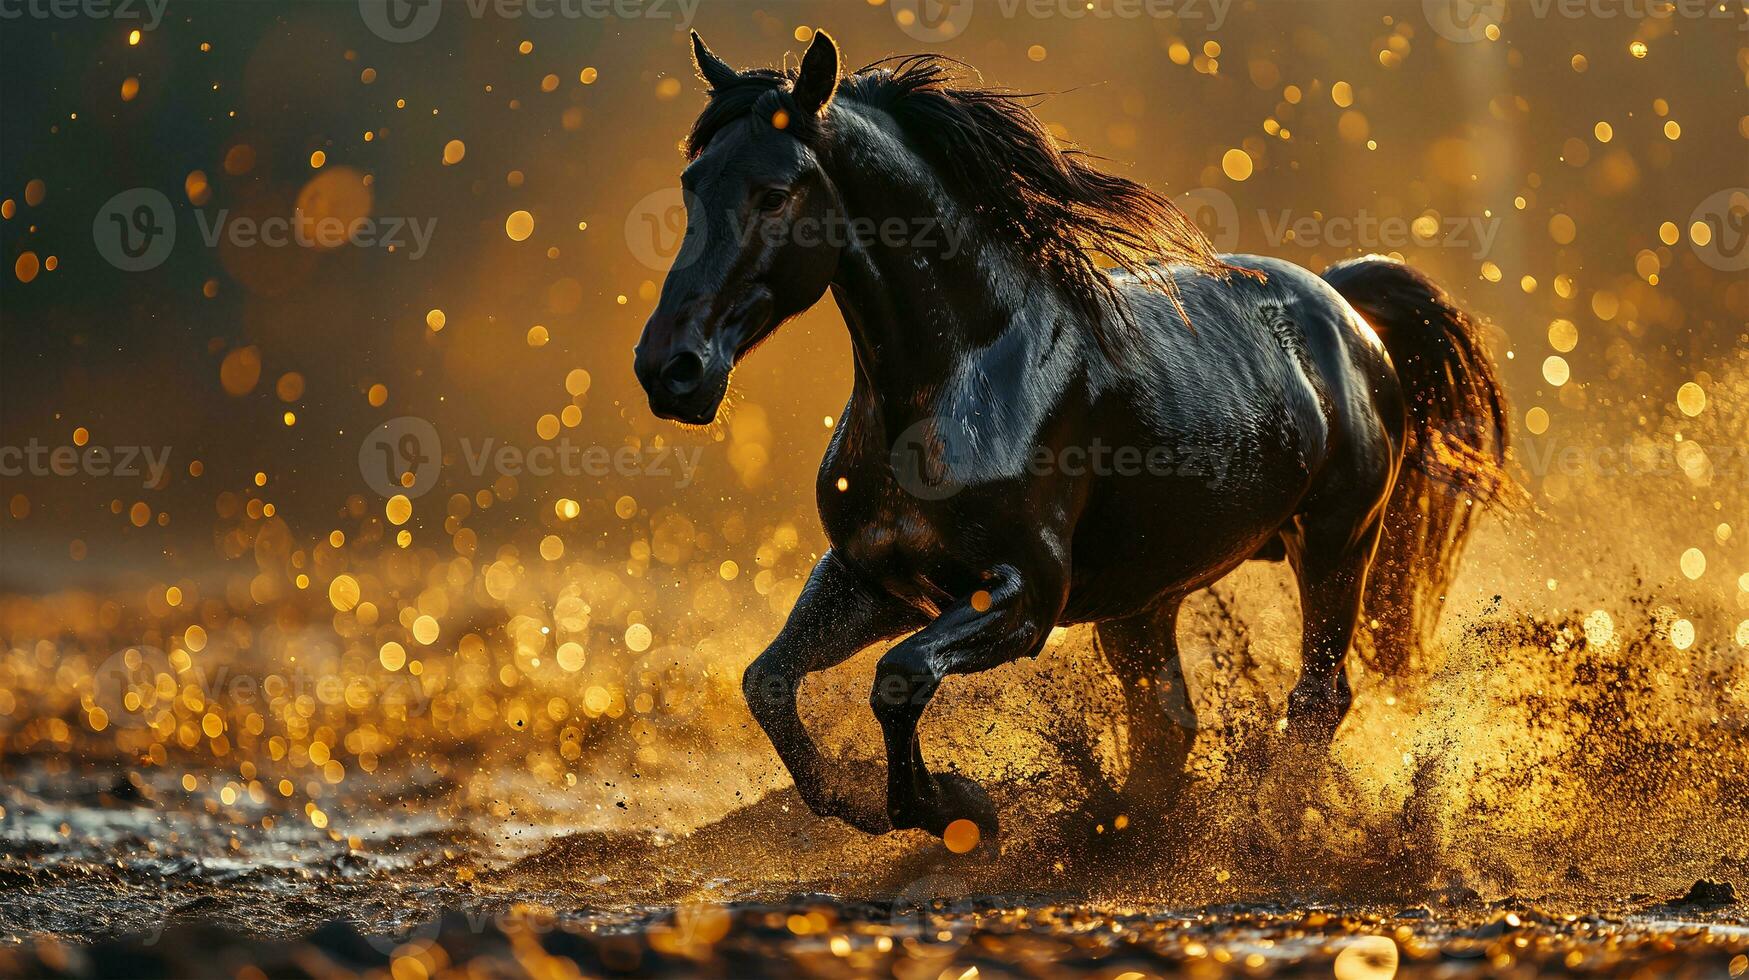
{"points": [[759, 245]]}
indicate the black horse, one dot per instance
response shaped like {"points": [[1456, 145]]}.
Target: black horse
{"points": [[1035, 440]]}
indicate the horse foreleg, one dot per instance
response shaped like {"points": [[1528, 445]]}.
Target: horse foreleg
{"points": [[1162, 723], [1009, 619], [835, 617]]}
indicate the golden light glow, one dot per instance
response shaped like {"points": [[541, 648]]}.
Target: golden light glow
{"points": [[1556, 371], [961, 836], [1237, 165], [535, 639], [1691, 398]]}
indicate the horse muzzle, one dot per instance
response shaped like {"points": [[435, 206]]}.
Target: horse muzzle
{"points": [[686, 381], [685, 386]]}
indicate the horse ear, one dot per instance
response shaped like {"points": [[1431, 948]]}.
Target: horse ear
{"points": [[818, 78], [714, 70]]}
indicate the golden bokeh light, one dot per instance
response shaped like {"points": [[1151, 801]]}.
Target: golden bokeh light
{"points": [[493, 606]]}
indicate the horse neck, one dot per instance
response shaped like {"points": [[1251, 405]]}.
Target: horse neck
{"points": [[917, 302]]}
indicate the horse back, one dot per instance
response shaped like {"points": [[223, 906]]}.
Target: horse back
{"points": [[1283, 342], [1272, 385]]}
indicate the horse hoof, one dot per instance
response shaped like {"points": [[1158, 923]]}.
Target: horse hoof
{"points": [[861, 798], [1312, 732], [962, 799], [870, 820], [861, 815], [1313, 717]]}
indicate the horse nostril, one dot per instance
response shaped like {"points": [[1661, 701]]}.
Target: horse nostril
{"points": [[683, 373]]}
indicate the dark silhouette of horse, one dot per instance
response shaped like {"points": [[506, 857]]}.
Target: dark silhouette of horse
{"points": [[1033, 439]]}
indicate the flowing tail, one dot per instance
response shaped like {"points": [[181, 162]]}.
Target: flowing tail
{"points": [[1454, 460]]}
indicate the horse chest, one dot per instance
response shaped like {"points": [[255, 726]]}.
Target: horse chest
{"points": [[883, 527], [893, 537]]}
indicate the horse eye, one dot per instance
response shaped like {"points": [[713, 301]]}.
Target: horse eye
{"points": [[773, 200]]}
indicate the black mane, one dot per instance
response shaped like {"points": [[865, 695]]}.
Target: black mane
{"points": [[991, 150]]}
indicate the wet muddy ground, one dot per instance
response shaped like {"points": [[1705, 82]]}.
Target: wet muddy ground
{"points": [[998, 936], [1584, 813], [111, 871]]}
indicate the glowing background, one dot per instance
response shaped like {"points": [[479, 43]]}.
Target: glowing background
{"points": [[568, 632]]}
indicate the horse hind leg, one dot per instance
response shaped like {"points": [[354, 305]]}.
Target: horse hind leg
{"points": [[1162, 723], [1330, 554]]}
